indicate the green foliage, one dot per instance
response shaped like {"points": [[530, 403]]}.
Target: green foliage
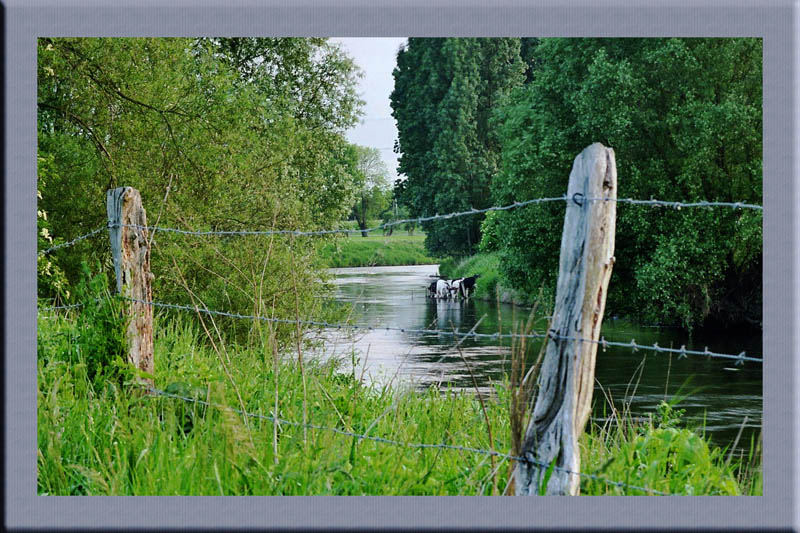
{"points": [[397, 212], [52, 283], [97, 341], [664, 457], [490, 240], [668, 416], [216, 134], [684, 119], [448, 267], [445, 91], [373, 192]]}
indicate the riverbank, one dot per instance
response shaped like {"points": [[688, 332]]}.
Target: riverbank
{"points": [[488, 286], [397, 249], [99, 436]]}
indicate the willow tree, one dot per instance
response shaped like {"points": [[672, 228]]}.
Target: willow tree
{"points": [[213, 140]]}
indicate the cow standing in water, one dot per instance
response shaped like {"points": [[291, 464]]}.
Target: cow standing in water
{"points": [[442, 289], [467, 284], [456, 288], [431, 289]]}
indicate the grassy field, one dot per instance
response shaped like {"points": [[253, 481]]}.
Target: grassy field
{"points": [[99, 434], [376, 250]]}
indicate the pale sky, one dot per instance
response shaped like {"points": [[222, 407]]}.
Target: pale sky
{"points": [[376, 57]]}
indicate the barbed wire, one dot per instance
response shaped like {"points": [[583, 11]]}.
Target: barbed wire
{"points": [[385, 225], [678, 205], [73, 241], [527, 459], [682, 352], [473, 211], [578, 199], [61, 307], [418, 445]]}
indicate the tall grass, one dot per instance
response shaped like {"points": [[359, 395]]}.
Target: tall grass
{"points": [[99, 433], [109, 438]]}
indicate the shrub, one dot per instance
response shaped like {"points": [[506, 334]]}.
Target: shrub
{"points": [[99, 341]]}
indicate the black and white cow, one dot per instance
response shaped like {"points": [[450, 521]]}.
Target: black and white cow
{"points": [[467, 284], [455, 288], [431, 290]]}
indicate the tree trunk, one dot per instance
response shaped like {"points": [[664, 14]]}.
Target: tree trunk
{"points": [[362, 221]]}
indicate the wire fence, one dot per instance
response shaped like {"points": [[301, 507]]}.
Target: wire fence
{"points": [[577, 198], [419, 445], [682, 352]]}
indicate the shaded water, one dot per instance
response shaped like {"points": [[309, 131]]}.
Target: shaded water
{"points": [[718, 393]]}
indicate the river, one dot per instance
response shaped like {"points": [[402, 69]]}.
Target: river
{"points": [[717, 394]]}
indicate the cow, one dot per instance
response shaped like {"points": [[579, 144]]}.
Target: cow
{"points": [[442, 288], [456, 287], [431, 290], [467, 284]]}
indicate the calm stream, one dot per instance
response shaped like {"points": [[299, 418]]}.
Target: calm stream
{"points": [[719, 394]]}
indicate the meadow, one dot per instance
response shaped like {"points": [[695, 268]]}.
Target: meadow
{"points": [[376, 249]]}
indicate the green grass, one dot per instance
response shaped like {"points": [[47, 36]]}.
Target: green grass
{"points": [[97, 435], [662, 455], [376, 250], [490, 284], [487, 285]]}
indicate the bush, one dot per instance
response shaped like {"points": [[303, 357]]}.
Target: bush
{"points": [[490, 240], [673, 265], [97, 340]]}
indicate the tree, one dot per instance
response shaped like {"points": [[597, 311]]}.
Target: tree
{"points": [[212, 142], [445, 91], [372, 185], [684, 118]]}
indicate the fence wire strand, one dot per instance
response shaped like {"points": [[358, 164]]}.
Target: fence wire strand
{"points": [[418, 445], [473, 211], [73, 241], [682, 352]]}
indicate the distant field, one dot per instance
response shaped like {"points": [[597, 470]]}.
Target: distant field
{"points": [[377, 250]]}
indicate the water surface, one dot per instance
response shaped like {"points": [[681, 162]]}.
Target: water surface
{"points": [[718, 394]]}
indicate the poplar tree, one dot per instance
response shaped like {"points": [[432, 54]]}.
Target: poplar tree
{"points": [[444, 95]]}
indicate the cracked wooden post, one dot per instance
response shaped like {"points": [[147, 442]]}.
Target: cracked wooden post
{"points": [[566, 379], [130, 248]]}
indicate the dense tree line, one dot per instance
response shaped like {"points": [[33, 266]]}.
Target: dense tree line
{"points": [[216, 134], [683, 116]]}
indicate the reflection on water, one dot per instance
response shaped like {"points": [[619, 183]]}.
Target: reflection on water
{"points": [[718, 394]]}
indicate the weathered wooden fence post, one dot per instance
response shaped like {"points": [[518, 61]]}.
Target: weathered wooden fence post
{"points": [[566, 379], [131, 251]]}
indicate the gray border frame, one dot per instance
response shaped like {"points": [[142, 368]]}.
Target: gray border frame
{"points": [[778, 22]]}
